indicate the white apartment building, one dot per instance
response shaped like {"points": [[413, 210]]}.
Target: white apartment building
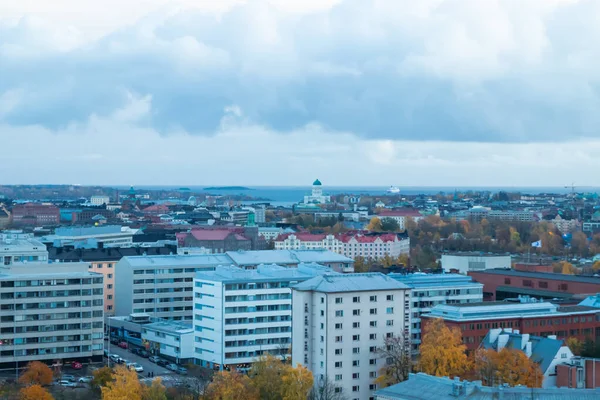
{"points": [[429, 290], [271, 233], [108, 235], [366, 245], [50, 313], [160, 286], [340, 321], [401, 216], [99, 200], [18, 247], [170, 339], [241, 314]]}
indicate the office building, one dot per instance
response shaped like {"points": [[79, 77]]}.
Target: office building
{"points": [[35, 214], [91, 236], [50, 313], [427, 291], [339, 323], [474, 320], [292, 258], [241, 314], [19, 247], [466, 262], [99, 200]]}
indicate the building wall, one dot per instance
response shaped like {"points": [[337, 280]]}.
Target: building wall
{"points": [[466, 263], [343, 347], [107, 269], [592, 373], [178, 347]]}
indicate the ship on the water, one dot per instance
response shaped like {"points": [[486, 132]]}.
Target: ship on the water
{"points": [[393, 190]]}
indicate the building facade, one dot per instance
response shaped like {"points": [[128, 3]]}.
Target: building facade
{"points": [[241, 314], [466, 262], [427, 291], [339, 323], [401, 216], [317, 196], [50, 313], [363, 244], [99, 200], [19, 247], [35, 214], [91, 236], [170, 339]]}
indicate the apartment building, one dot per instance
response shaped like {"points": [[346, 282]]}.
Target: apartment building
{"points": [[241, 314], [160, 286], [91, 236], [401, 216], [363, 244], [340, 321], [51, 313], [99, 200], [427, 291], [19, 247]]}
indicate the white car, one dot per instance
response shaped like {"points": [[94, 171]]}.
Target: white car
{"points": [[66, 383], [86, 379], [136, 367], [172, 367], [68, 377]]}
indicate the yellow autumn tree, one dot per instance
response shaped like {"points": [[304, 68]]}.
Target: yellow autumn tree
{"points": [[231, 386], [575, 345], [375, 225], [515, 368], [37, 373], [442, 350], [266, 375], [124, 386], [297, 383], [156, 391], [34, 392]]}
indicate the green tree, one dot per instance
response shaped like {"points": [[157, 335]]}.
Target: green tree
{"points": [[390, 225]]}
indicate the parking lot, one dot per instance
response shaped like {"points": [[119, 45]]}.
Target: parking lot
{"points": [[130, 357]]}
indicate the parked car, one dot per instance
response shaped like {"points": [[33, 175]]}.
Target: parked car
{"points": [[154, 359], [76, 365], [172, 367], [162, 363], [85, 379], [68, 377], [66, 383], [114, 340], [116, 358], [123, 345], [181, 370], [143, 353], [136, 367], [124, 361]]}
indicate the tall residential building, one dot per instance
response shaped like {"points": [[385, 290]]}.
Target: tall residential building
{"points": [[339, 323], [241, 314], [19, 247], [50, 313], [430, 290], [363, 244]]}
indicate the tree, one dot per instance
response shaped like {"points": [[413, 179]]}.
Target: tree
{"points": [[325, 389], [442, 350], [575, 345], [397, 361], [102, 377], [156, 391], [231, 386], [199, 378], [390, 225], [360, 264], [124, 386], [375, 225], [596, 266], [34, 392], [564, 267], [484, 366], [266, 375], [37, 373], [297, 383], [515, 368]]}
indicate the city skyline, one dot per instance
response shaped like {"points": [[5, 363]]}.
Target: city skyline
{"points": [[275, 93]]}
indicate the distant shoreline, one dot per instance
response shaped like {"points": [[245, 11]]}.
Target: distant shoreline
{"points": [[227, 188]]}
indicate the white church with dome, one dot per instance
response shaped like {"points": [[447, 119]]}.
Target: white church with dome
{"points": [[317, 196]]}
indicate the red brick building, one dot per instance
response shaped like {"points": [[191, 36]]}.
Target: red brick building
{"points": [[34, 214], [536, 318], [580, 373], [499, 284]]}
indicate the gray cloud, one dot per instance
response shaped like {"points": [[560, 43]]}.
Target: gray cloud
{"points": [[461, 71]]}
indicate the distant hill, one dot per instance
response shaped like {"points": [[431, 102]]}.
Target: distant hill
{"points": [[227, 188]]}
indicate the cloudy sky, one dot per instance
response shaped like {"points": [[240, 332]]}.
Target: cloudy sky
{"points": [[278, 92]]}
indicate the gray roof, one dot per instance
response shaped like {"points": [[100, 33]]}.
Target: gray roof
{"points": [[178, 260], [350, 283], [263, 273], [541, 275], [420, 280], [172, 327], [425, 387], [591, 301], [543, 350], [282, 257]]}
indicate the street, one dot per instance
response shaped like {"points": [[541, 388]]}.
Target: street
{"points": [[130, 357]]}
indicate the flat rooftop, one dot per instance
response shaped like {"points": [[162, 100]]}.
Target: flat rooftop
{"points": [[539, 275]]}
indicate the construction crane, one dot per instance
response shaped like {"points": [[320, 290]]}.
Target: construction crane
{"points": [[572, 187]]}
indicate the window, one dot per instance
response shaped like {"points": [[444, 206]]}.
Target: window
{"points": [[389, 310], [373, 336], [373, 361], [507, 281], [373, 324], [338, 339], [356, 325], [356, 388], [338, 352], [563, 286], [356, 312], [356, 363], [322, 313], [356, 338], [322, 300], [322, 326], [373, 349], [373, 299], [338, 364], [356, 375], [373, 311], [356, 299], [389, 322], [389, 297], [373, 374], [527, 283], [338, 377], [339, 313], [110, 275], [338, 300], [356, 350], [338, 326]]}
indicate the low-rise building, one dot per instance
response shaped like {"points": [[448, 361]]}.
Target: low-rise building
{"points": [[241, 314], [466, 262], [401, 215], [50, 313], [19, 247], [363, 244], [99, 200], [91, 236], [170, 339], [474, 320], [429, 290], [339, 322], [547, 352], [292, 258]]}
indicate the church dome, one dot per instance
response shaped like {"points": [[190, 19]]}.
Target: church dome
{"points": [[317, 183]]}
